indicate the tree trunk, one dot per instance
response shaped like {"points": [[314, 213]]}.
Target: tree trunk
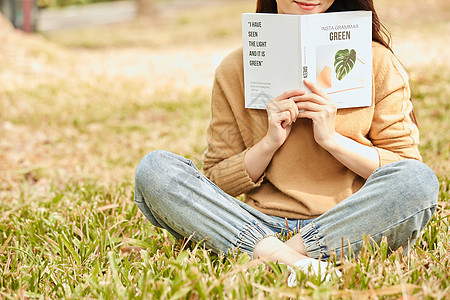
{"points": [[8, 10], [146, 8]]}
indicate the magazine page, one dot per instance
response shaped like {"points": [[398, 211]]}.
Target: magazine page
{"points": [[333, 50], [337, 54], [271, 57]]}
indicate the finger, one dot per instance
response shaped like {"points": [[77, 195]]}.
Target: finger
{"points": [[311, 106], [282, 118], [278, 106], [308, 114], [285, 105], [315, 89], [290, 94], [318, 117], [311, 97]]}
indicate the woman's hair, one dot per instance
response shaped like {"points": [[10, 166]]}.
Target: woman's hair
{"points": [[379, 33]]}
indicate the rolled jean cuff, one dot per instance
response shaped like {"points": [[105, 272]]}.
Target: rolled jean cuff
{"points": [[314, 248], [251, 235]]}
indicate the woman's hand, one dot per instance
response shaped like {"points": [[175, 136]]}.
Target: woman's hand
{"points": [[285, 109], [282, 112], [322, 111], [361, 159]]}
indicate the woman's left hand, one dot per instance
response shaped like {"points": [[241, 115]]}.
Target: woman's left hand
{"points": [[318, 107]]}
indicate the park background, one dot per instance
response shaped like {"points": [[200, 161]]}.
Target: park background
{"points": [[80, 107]]}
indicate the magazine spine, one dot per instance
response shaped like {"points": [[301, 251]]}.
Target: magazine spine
{"points": [[303, 51]]}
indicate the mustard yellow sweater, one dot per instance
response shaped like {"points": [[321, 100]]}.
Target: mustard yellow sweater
{"points": [[303, 180]]}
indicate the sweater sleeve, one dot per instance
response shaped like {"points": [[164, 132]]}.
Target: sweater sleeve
{"points": [[393, 133], [224, 160]]}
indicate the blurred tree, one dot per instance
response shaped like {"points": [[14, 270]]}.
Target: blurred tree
{"points": [[146, 8], [8, 9]]}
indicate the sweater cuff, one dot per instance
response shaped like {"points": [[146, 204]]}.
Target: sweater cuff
{"points": [[387, 157], [235, 178]]}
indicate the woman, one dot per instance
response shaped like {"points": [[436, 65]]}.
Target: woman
{"points": [[328, 176]]}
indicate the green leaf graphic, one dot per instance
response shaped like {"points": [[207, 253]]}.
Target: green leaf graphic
{"points": [[344, 60]]}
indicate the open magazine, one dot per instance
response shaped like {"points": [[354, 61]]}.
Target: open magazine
{"points": [[333, 50]]}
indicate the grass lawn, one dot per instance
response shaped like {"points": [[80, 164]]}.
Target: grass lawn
{"points": [[79, 109]]}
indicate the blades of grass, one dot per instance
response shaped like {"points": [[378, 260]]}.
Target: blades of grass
{"points": [[71, 250], [136, 242], [384, 248], [25, 252], [114, 271], [5, 244], [181, 293]]}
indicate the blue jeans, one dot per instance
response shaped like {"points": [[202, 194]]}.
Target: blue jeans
{"points": [[396, 201]]}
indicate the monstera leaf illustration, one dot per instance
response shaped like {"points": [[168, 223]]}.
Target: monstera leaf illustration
{"points": [[344, 60]]}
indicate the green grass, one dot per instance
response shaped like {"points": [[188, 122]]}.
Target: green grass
{"points": [[89, 240], [430, 97], [76, 116]]}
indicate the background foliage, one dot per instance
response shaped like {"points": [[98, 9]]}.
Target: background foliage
{"points": [[64, 3]]}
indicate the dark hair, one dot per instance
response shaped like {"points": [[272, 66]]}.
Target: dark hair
{"points": [[379, 33]]}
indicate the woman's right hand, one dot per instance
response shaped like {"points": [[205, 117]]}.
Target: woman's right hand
{"points": [[282, 112]]}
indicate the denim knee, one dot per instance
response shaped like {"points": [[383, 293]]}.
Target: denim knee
{"points": [[397, 202], [417, 182], [153, 168], [419, 188], [153, 178], [147, 177]]}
